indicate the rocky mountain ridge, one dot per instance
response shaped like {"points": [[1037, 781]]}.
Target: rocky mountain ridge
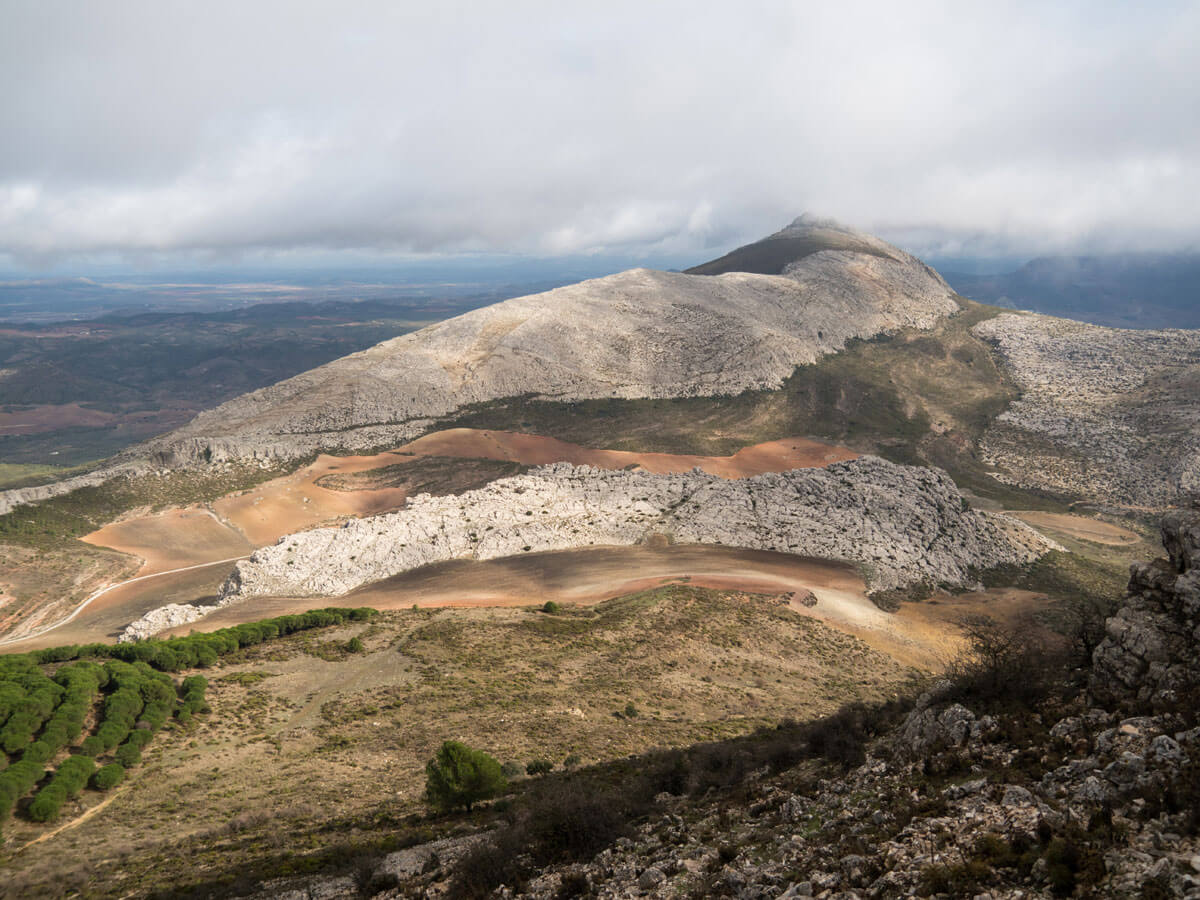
{"points": [[637, 334], [902, 523], [1107, 413]]}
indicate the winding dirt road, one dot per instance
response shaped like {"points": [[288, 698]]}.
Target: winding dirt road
{"points": [[88, 631]]}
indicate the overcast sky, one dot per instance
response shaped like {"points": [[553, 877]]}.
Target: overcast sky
{"points": [[168, 130]]}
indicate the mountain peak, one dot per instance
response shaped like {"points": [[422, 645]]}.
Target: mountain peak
{"points": [[807, 221], [807, 234]]}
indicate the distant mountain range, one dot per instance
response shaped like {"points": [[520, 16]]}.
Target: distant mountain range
{"points": [[1123, 291]]}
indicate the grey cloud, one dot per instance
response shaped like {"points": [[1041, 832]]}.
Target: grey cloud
{"points": [[561, 128]]}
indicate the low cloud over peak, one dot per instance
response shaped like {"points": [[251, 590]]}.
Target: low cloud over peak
{"points": [[538, 128]]}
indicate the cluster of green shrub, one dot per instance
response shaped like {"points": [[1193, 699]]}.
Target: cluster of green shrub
{"points": [[108, 777], [139, 704], [80, 682], [41, 715], [68, 782], [191, 696], [32, 700], [202, 650]]}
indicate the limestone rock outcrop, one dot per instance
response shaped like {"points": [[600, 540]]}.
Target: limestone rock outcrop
{"points": [[902, 523], [636, 334], [1107, 413], [1149, 654]]}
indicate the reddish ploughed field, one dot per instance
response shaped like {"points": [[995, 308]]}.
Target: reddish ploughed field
{"points": [[297, 502], [234, 525], [925, 635]]}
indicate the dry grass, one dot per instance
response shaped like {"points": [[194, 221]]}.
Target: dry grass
{"points": [[303, 752], [42, 585]]}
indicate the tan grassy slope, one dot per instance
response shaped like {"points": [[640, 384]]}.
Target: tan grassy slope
{"points": [[308, 747]]}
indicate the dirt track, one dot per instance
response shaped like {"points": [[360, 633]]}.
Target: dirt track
{"points": [[1080, 527], [921, 635], [104, 617]]}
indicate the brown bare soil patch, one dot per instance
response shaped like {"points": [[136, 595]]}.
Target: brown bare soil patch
{"points": [[935, 623], [51, 417], [533, 449], [438, 475], [587, 576], [172, 539], [40, 587], [296, 502], [1079, 527]]}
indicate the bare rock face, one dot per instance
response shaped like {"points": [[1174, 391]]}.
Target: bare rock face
{"points": [[1107, 413], [15, 497], [164, 617], [637, 334], [1149, 653], [902, 523]]}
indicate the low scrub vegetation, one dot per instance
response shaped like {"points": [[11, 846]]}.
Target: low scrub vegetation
{"points": [[461, 777], [48, 697], [175, 654], [573, 815]]}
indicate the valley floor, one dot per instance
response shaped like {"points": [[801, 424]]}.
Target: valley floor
{"points": [[333, 488]]}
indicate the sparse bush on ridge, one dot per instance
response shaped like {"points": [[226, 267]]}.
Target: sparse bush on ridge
{"points": [[191, 693], [108, 777], [1001, 665], [459, 776]]}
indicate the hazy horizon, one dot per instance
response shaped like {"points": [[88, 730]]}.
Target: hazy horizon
{"points": [[156, 136]]}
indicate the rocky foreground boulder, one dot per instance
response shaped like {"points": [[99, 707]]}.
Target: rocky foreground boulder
{"points": [[1056, 792], [1151, 653]]}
